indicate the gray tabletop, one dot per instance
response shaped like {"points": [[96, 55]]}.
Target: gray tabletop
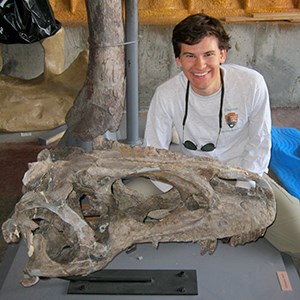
{"points": [[243, 272]]}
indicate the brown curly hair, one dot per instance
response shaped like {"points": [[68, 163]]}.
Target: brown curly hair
{"points": [[194, 28]]}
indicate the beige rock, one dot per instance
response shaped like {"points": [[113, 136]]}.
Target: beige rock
{"points": [[43, 102]]}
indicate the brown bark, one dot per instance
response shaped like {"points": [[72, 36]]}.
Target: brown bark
{"points": [[99, 105]]}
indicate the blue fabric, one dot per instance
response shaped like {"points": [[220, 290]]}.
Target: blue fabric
{"points": [[285, 158]]}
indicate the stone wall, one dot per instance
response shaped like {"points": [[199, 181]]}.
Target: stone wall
{"points": [[272, 48]]}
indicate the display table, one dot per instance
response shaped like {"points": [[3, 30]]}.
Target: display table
{"points": [[243, 272]]}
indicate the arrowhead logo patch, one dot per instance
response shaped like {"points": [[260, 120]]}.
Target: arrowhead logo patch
{"points": [[231, 119]]}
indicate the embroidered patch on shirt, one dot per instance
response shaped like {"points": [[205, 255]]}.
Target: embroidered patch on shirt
{"points": [[231, 119]]}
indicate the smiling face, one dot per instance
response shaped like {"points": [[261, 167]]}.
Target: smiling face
{"points": [[201, 65]]}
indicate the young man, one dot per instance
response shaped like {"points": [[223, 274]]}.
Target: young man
{"points": [[221, 111]]}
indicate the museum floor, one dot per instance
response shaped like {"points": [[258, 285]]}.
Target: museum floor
{"points": [[17, 150]]}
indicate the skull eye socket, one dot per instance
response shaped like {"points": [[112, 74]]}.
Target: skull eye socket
{"points": [[143, 185]]}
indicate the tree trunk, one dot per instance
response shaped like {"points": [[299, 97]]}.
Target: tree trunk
{"points": [[99, 105]]}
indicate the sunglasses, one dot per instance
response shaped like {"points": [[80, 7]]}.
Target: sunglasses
{"points": [[205, 148], [209, 146]]}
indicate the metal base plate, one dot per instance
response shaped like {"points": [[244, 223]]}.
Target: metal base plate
{"points": [[136, 282]]}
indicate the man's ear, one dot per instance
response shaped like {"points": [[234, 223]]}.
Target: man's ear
{"points": [[223, 55], [178, 62]]}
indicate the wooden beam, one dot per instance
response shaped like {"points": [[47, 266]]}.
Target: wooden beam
{"points": [[276, 16], [288, 16]]}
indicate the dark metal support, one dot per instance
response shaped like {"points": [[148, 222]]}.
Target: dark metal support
{"points": [[132, 82], [136, 282]]}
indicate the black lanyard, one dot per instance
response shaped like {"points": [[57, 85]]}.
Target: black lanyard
{"points": [[221, 102]]}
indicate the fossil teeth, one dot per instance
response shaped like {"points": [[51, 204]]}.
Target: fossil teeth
{"points": [[208, 246]]}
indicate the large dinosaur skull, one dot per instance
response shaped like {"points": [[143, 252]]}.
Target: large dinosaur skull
{"points": [[77, 214]]}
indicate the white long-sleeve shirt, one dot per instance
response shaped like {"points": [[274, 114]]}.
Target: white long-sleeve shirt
{"points": [[245, 138]]}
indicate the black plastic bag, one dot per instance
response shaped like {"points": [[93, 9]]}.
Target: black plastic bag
{"points": [[26, 21]]}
